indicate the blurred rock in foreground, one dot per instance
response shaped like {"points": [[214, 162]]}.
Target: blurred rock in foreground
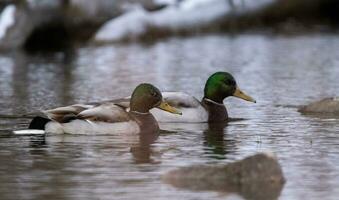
{"points": [[256, 177], [324, 106]]}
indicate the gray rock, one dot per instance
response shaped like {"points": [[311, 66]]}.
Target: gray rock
{"points": [[43, 24], [48, 22], [256, 177], [324, 106]]}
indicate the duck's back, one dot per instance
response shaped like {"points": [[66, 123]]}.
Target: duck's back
{"points": [[106, 118], [191, 108], [87, 127]]}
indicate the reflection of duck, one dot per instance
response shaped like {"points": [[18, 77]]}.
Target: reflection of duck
{"points": [[108, 117], [219, 86], [142, 152], [217, 146], [37, 141]]}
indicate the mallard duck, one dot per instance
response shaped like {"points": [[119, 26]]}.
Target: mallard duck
{"points": [[107, 117], [219, 86]]}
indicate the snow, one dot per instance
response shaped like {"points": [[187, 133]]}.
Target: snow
{"points": [[191, 4], [166, 2], [178, 15], [188, 14], [6, 19], [133, 23]]}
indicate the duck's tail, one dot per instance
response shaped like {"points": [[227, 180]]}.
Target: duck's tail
{"points": [[38, 123], [36, 127]]}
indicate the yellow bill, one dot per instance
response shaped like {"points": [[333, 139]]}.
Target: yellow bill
{"points": [[240, 94], [166, 107]]}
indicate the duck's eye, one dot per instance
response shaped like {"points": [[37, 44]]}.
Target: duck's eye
{"points": [[154, 94], [230, 82]]}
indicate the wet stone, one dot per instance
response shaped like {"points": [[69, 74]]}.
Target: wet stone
{"points": [[324, 106]]}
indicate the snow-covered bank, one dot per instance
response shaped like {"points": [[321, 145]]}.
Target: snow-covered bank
{"points": [[136, 22], [42, 24], [187, 17], [183, 16]]}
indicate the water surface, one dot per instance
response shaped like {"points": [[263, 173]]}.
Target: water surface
{"points": [[280, 72]]}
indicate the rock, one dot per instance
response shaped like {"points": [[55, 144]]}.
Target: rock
{"points": [[324, 106], [26, 19], [54, 24], [57, 24], [256, 177]]}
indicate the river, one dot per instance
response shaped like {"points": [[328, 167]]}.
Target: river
{"points": [[280, 72]]}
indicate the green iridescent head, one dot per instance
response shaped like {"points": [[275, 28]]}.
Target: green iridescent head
{"points": [[146, 96], [221, 85]]}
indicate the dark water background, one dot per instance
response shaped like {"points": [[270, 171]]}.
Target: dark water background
{"points": [[280, 72]]}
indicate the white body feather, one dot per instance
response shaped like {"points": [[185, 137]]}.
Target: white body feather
{"points": [[104, 119], [87, 127], [191, 108]]}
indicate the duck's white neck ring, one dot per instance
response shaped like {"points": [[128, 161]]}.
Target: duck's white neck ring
{"points": [[216, 103], [140, 113]]}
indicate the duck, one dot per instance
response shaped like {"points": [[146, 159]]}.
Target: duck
{"points": [[211, 108], [106, 117]]}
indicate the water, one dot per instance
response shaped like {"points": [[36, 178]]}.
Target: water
{"points": [[280, 72]]}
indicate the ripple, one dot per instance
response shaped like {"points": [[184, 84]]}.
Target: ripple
{"points": [[281, 73]]}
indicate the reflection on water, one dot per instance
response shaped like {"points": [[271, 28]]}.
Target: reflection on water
{"points": [[279, 72], [142, 151], [216, 142]]}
